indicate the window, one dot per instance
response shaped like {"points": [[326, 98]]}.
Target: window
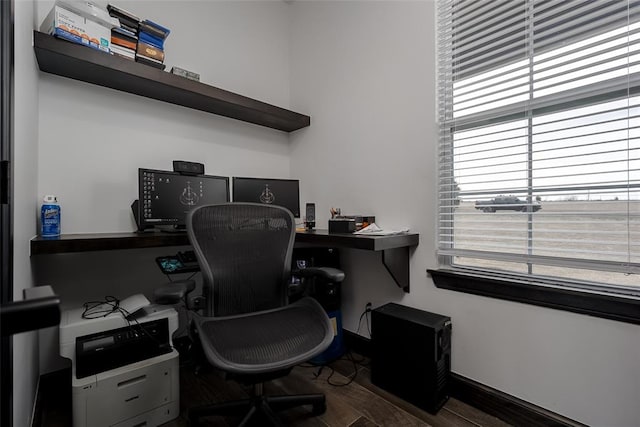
{"points": [[539, 151]]}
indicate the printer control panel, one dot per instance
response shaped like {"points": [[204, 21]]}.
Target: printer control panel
{"points": [[114, 348]]}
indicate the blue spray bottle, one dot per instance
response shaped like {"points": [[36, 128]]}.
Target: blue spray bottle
{"points": [[50, 216]]}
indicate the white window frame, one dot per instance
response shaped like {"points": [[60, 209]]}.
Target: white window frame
{"points": [[617, 302]]}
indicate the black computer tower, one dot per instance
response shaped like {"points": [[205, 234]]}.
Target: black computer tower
{"points": [[411, 355]]}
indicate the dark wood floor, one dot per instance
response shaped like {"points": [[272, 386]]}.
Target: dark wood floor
{"points": [[357, 404]]}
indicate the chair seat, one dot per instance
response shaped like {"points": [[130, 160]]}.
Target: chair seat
{"points": [[266, 341]]}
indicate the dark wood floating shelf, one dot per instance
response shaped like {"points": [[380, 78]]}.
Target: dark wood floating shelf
{"points": [[88, 65], [394, 248]]}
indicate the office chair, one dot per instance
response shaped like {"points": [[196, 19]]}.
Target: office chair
{"points": [[249, 330]]}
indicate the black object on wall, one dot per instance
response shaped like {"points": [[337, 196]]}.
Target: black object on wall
{"points": [[6, 200], [411, 355]]}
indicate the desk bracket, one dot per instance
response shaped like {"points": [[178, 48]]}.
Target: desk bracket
{"points": [[396, 261]]}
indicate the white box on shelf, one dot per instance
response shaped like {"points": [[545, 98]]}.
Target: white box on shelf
{"points": [[80, 23]]}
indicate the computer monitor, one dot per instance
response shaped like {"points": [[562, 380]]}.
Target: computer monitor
{"points": [[166, 197], [280, 192]]}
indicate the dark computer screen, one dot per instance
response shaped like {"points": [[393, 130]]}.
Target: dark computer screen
{"points": [[281, 192], [166, 197]]}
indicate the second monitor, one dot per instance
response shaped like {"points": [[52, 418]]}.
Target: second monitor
{"points": [[280, 192]]}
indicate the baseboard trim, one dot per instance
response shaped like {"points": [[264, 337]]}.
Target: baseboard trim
{"points": [[357, 343], [509, 409]]}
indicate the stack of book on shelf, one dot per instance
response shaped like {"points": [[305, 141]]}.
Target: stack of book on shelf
{"points": [[150, 50], [128, 21], [138, 40], [124, 39], [123, 43]]}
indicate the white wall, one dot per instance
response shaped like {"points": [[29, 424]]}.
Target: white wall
{"points": [[366, 72], [92, 140], [25, 158], [98, 137]]}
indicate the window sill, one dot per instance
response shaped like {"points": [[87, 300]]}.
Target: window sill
{"points": [[607, 306]]}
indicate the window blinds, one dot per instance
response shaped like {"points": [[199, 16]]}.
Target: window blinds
{"points": [[539, 149]]}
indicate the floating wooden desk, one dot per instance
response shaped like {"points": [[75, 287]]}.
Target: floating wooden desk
{"points": [[105, 242], [394, 248]]}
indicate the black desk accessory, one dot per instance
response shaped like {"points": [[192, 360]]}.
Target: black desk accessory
{"points": [[310, 216], [349, 223], [188, 168], [187, 257], [136, 214], [182, 262], [342, 225]]}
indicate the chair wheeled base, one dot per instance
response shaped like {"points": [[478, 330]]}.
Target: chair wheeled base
{"points": [[259, 407]]}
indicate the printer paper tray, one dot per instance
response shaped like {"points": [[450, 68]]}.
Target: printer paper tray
{"points": [[118, 395]]}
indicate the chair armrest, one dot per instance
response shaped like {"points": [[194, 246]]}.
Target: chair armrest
{"points": [[174, 292], [331, 274]]}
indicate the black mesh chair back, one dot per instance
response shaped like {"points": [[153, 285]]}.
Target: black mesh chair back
{"points": [[244, 251], [250, 331]]}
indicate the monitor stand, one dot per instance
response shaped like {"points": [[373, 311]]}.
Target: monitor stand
{"points": [[171, 228]]}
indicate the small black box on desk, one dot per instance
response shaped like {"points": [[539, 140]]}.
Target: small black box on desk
{"points": [[342, 225], [350, 223]]}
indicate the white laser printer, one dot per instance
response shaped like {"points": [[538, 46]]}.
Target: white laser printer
{"points": [[125, 371]]}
